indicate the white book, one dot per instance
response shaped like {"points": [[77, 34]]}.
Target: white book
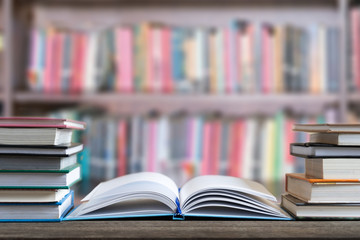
{"points": [[153, 194], [35, 136], [342, 139]]}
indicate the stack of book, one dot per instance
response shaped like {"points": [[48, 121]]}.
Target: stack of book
{"points": [[330, 187], [38, 165]]}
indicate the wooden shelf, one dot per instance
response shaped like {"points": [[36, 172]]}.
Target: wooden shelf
{"points": [[157, 229], [236, 104]]}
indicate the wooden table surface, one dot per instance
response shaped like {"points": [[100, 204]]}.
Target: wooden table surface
{"points": [[183, 230]]}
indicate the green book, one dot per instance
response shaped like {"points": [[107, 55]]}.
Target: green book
{"points": [[47, 179]]}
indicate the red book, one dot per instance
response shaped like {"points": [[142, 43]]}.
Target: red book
{"points": [[122, 159], [168, 86], [76, 62]]}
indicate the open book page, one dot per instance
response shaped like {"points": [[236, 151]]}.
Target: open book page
{"points": [[135, 194], [227, 196]]}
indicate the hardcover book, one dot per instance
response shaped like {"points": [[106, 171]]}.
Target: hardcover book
{"points": [[323, 190], [25, 162], [40, 178], [36, 212], [329, 128], [40, 122], [332, 168], [64, 150], [318, 150], [303, 210], [35, 136], [149, 194]]}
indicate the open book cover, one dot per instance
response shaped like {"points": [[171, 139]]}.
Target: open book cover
{"points": [[153, 194]]}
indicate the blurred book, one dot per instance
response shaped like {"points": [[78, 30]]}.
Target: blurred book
{"points": [[243, 57]]}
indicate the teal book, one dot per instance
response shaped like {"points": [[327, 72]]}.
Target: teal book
{"points": [[44, 179], [150, 194], [37, 212]]}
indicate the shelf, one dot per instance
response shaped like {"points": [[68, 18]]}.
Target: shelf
{"points": [[236, 104]]}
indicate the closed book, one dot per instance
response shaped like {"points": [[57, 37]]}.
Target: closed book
{"points": [[40, 178], [24, 162], [330, 128], [336, 138], [36, 212], [301, 209], [312, 150], [35, 136], [323, 190], [332, 168], [32, 195], [58, 150], [40, 122]]}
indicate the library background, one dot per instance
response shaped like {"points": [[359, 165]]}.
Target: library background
{"points": [[183, 87]]}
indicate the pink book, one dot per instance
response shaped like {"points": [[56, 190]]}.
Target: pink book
{"points": [[289, 138], [206, 149], [57, 61], [121, 148], [166, 61], [232, 147], [265, 59], [227, 62], [215, 148], [124, 59], [355, 28], [127, 61], [48, 78], [239, 58], [40, 122], [149, 80], [152, 146], [190, 140], [83, 49]]}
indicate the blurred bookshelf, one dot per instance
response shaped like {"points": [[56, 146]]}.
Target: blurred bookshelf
{"points": [[326, 96]]}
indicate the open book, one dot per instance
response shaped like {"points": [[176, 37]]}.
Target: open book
{"points": [[153, 194]]}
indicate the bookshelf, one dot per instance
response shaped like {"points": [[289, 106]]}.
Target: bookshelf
{"points": [[21, 15]]}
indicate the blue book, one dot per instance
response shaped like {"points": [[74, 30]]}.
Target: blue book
{"points": [[150, 194], [37, 212]]}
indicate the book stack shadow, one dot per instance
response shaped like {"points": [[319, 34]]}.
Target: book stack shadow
{"points": [[38, 165], [330, 186]]}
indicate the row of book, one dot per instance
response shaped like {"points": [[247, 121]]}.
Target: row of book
{"points": [[148, 57], [183, 146], [329, 187]]}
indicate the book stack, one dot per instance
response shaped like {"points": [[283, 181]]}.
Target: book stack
{"points": [[38, 165], [330, 186]]}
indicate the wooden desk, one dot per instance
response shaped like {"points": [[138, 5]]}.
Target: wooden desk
{"points": [[183, 229]]}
